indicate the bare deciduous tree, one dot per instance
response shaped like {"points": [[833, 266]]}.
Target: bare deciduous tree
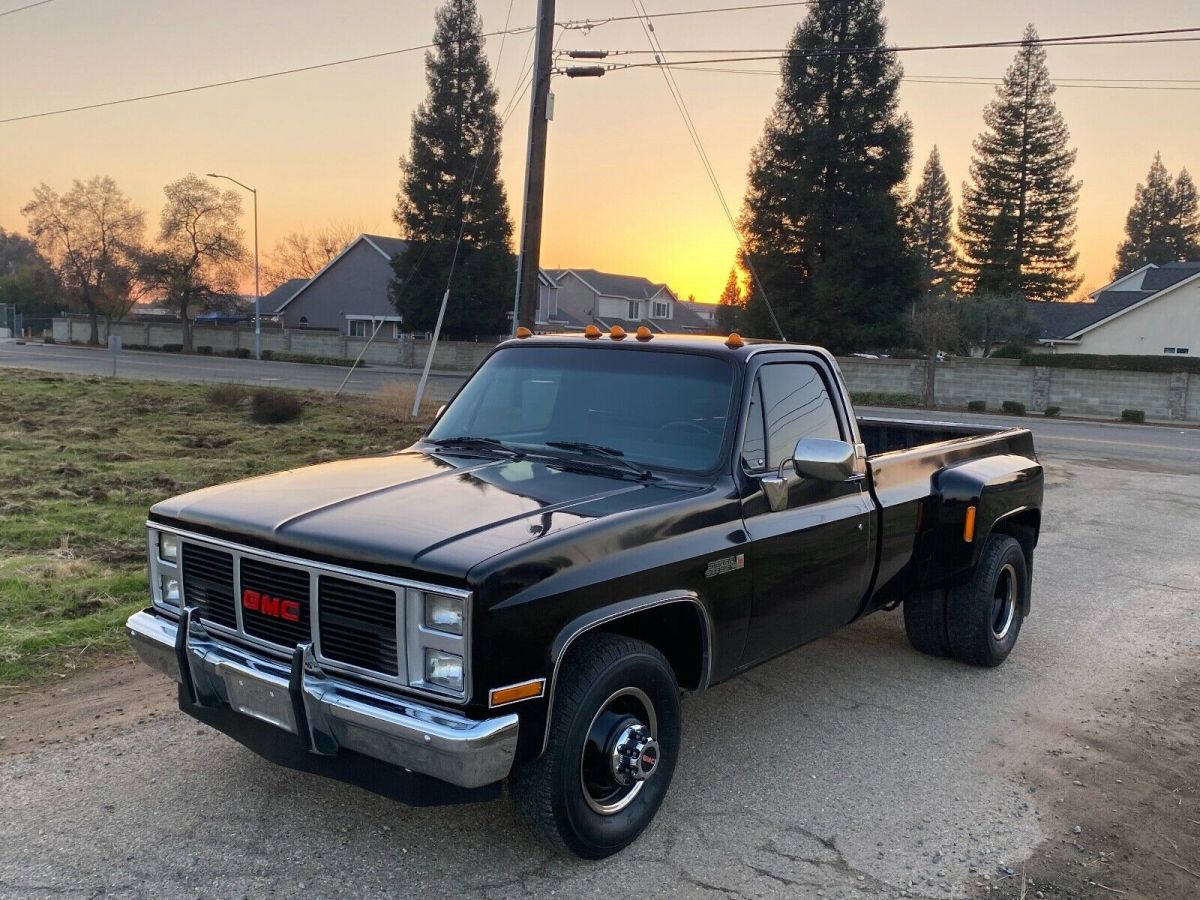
{"points": [[92, 236], [936, 326], [302, 254], [200, 255]]}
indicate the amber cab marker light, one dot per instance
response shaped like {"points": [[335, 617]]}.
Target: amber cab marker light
{"points": [[969, 525], [524, 332], [591, 332], [644, 333], [734, 341], [617, 333], [514, 692]]}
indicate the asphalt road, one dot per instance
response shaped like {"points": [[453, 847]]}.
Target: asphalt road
{"points": [[201, 369], [853, 767]]}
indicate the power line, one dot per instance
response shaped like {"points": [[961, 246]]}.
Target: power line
{"points": [[9, 12], [244, 80], [694, 133], [589, 24]]}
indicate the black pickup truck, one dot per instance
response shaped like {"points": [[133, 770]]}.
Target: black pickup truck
{"points": [[594, 524]]}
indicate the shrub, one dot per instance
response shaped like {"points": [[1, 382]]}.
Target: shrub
{"points": [[172, 348], [268, 354], [1053, 412], [883, 398], [1133, 415], [282, 356], [977, 405], [228, 395], [1009, 351], [242, 352], [205, 350], [1013, 407], [49, 339], [274, 407], [1116, 362]]}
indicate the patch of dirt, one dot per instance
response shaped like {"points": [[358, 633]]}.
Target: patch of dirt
{"points": [[1121, 796], [94, 704]]}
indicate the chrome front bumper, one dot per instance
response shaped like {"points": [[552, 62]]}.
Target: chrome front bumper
{"points": [[326, 714]]}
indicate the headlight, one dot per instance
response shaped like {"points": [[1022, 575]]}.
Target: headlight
{"points": [[444, 669], [168, 547], [170, 590], [444, 613]]}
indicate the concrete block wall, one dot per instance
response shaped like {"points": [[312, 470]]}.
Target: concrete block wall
{"points": [[959, 381], [1099, 393]]}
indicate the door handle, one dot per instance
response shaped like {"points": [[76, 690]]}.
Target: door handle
{"points": [[857, 476]]}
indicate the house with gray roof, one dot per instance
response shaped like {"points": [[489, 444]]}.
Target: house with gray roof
{"points": [[350, 293], [1150, 312], [604, 299]]}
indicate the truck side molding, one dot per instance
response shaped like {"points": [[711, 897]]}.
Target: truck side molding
{"points": [[611, 616]]}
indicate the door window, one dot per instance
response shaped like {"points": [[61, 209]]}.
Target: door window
{"points": [[795, 405]]}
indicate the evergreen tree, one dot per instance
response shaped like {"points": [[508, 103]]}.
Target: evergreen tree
{"points": [[450, 184], [821, 223], [729, 308], [1186, 218], [1017, 222], [929, 218], [1150, 224]]}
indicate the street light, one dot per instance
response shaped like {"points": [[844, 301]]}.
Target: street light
{"points": [[257, 296]]}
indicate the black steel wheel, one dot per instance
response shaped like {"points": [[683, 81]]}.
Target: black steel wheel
{"points": [[984, 616], [614, 740]]}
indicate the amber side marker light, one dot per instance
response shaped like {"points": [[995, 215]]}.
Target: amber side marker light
{"points": [[969, 525], [617, 333], [526, 690], [644, 333], [734, 341], [524, 332], [591, 332]]}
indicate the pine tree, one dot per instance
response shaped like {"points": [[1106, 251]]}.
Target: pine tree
{"points": [[729, 308], [1150, 225], [930, 215], [1017, 222], [1186, 218], [821, 222], [450, 184]]}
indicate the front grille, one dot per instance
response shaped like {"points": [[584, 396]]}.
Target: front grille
{"points": [[275, 584], [208, 584], [357, 624]]}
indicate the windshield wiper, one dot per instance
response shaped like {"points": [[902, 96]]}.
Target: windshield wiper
{"points": [[607, 453], [468, 442]]}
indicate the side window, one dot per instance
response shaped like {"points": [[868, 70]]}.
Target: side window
{"points": [[795, 405], [754, 447]]}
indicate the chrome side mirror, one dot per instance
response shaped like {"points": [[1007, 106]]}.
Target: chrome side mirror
{"points": [[441, 409], [823, 459]]}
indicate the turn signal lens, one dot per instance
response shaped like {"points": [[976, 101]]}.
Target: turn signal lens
{"points": [[515, 692], [591, 332], [969, 525], [444, 669]]}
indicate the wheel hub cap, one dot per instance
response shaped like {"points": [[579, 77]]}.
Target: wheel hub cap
{"points": [[634, 754]]}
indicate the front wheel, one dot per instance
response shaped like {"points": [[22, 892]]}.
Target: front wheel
{"points": [[614, 740], [984, 616]]}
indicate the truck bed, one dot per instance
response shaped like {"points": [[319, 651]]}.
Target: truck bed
{"points": [[889, 435]]}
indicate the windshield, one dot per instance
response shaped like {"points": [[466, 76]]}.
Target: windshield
{"points": [[657, 409]]}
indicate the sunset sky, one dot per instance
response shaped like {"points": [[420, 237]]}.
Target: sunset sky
{"points": [[625, 191]]}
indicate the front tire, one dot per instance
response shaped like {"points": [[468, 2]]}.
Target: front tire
{"points": [[614, 741], [984, 616]]}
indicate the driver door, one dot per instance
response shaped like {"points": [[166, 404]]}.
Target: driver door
{"points": [[811, 559]]}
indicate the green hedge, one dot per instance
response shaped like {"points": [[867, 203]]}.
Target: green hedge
{"points": [[883, 398], [1114, 363]]}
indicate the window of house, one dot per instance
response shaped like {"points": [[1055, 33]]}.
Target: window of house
{"points": [[357, 328], [304, 321], [795, 404], [635, 311], [1182, 350], [661, 309], [1168, 349]]}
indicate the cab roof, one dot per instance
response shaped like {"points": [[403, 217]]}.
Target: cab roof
{"points": [[705, 343]]}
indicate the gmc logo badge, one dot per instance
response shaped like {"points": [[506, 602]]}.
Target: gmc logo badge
{"points": [[268, 605]]}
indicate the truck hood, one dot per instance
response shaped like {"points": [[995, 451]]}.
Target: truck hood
{"points": [[440, 514]]}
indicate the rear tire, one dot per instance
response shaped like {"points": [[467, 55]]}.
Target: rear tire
{"points": [[984, 616], [925, 622], [613, 692]]}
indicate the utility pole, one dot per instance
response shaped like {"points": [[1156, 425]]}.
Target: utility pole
{"points": [[535, 171]]}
